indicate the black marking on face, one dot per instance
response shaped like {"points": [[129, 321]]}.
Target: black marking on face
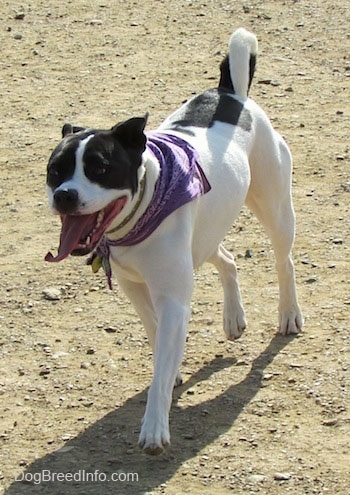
{"points": [[214, 105], [111, 158], [109, 164], [61, 164]]}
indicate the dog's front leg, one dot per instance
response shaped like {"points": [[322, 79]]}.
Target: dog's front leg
{"points": [[173, 316]]}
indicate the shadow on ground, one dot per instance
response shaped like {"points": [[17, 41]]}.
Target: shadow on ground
{"points": [[109, 445]]}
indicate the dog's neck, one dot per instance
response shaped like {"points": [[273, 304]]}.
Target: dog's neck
{"points": [[149, 172], [135, 208]]}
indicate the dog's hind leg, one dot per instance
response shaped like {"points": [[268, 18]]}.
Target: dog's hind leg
{"points": [[234, 317], [270, 199]]}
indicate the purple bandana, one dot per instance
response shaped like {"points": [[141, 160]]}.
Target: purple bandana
{"points": [[181, 180]]}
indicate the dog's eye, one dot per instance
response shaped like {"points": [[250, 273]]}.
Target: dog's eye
{"points": [[100, 170], [100, 166]]}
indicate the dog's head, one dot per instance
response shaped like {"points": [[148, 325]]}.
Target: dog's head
{"points": [[92, 176]]}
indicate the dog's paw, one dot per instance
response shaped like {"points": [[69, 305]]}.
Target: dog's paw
{"points": [[154, 437], [234, 322], [291, 322]]}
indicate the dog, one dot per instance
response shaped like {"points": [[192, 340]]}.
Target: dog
{"points": [[151, 207]]}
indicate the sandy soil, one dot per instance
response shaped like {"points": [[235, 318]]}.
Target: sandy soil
{"points": [[264, 414]]}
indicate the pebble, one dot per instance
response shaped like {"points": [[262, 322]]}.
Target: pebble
{"points": [[248, 253], [256, 478], [111, 329], [330, 422], [44, 372], [51, 294], [268, 82], [282, 476], [337, 240]]}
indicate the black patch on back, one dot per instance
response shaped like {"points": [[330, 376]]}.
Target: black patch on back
{"points": [[214, 105]]}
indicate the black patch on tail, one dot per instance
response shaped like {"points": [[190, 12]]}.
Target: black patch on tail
{"points": [[225, 76], [252, 65]]}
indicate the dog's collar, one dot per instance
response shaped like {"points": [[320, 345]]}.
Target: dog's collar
{"points": [[134, 210]]}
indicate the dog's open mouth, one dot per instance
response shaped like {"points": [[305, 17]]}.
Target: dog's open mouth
{"points": [[81, 233]]}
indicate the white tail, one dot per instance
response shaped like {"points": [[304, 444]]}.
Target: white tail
{"points": [[243, 49]]}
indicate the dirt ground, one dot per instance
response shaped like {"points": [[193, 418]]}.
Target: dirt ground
{"points": [[265, 414]]}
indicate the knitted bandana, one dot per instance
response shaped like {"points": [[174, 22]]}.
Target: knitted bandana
{"points": [[181, 180]]}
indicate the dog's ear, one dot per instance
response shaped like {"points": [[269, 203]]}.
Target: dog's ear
{"points": [[71, 129], [130, 133]]}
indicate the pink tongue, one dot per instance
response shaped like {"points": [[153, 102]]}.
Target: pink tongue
{"points": [[71, 233]]}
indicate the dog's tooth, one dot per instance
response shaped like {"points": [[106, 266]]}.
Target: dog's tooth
{"points": [[99, 218], [88, 240]]}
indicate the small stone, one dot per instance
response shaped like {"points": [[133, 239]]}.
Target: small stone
{"points": [[18, 36], [91, 350], [330, 422], [248, 253], [267, 376], [111, 329], [241, 362], [85, 365], [188, 436], [66, 448], [51, 294], [256, 478], [282, 476], [96, 22], [19, 16], [44, 372], [337, 240], [311, 280]]}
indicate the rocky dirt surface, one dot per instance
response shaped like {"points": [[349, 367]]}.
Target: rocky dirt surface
{"points": [[265, 414]]}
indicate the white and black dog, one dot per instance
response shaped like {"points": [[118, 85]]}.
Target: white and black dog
{"points": [[152, 207]]}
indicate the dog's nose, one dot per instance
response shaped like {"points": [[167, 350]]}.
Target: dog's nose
{"points": [[66, 200]]}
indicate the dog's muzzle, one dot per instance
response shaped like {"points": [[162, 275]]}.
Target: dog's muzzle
{"points": [[66, 201]]}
